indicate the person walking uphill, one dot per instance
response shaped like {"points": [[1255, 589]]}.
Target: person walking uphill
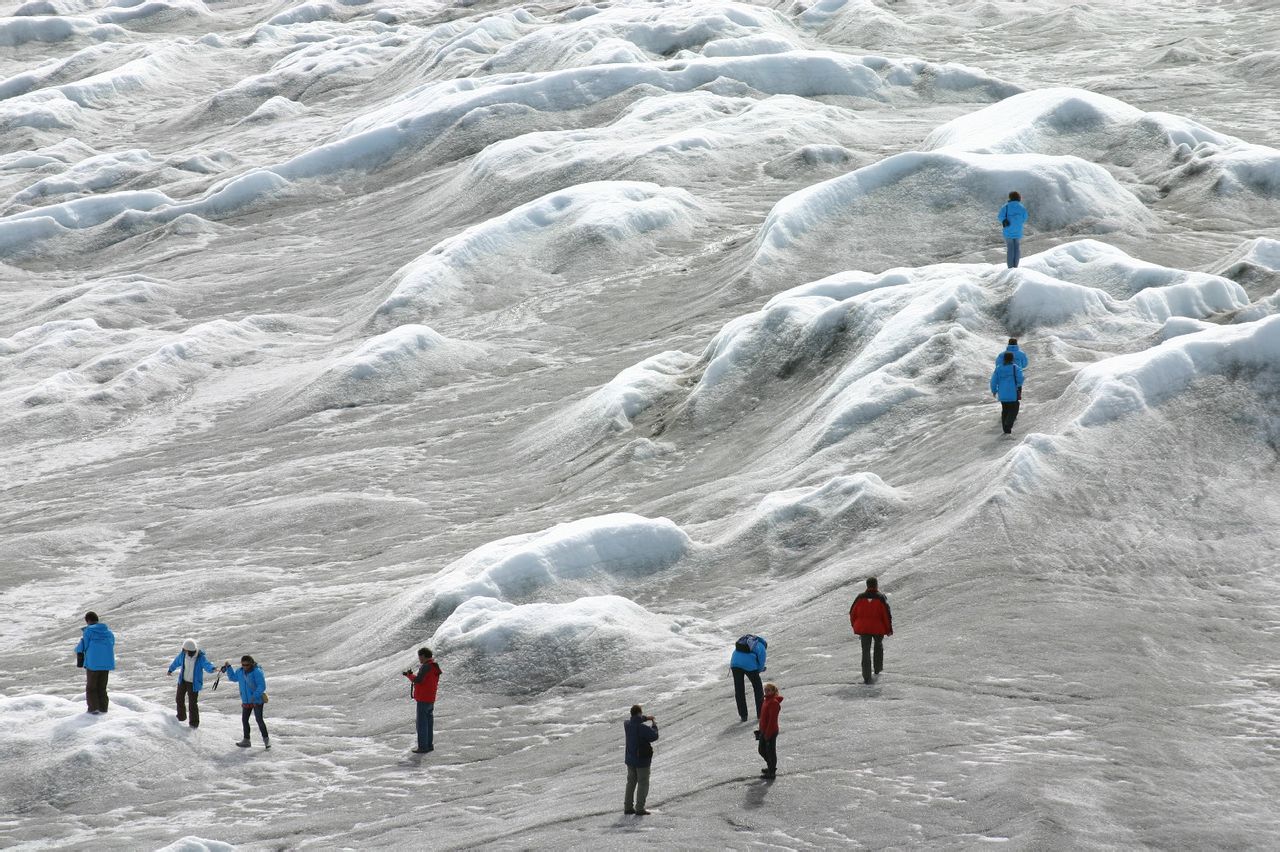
{"points": [[425, 684], [872, 620], [96, 654], [192, 665], [1019, 357], [640, 739], [253, 694], [768, 731], [1012, 217], [1006, 386], [747, 662]]}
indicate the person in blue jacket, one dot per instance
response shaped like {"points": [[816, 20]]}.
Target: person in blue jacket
{"points": [[1019, 357], [253, 694], [747, 662], [96, 654], [1012, 217], [1006, 386], [191, 664]]}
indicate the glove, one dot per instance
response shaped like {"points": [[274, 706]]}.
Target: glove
{"points": [[1019, 393]]}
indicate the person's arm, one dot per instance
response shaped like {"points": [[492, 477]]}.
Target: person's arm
{"points": [[177, 661], [233, 674], [760, 654], [1017, 374], [208, 666], [888, 614], [994, 373], [651, 733], [1003, 213]]}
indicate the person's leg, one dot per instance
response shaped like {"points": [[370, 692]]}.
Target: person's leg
{"points": [[431, 725], [739, 692], [262, 726], [879, 654], [1008, 253], [1006, 421], [420, 723], [1017, 252], [245, 710], [102, 691], [771, 754], [761, 748], [90, 691], [642, 787], [758, 687], [1013, 415], [182, 701], [628, 800], [193, 699], [866, 658]]}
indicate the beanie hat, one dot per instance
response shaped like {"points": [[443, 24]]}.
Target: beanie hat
{"points": [[189, 645]]}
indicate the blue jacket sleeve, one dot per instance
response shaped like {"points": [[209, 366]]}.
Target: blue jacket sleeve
{"points": [[177, 661], [1003, 212], [760, 654], [993, 379], [80, 648], [233, 674], [1017, 374], [208, 666], [649, 733]]}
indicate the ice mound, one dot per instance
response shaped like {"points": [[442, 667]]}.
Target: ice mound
{"points": [[1257, 260], [673, 140], [1133, 383], [92, 174], [946, 201], [275, 109], [18, 31], [46, 110], [389, 367], [583, 227], [191, 843], [1181, 155], [534, 647], [810, 516], [574, 558], [861, 22], [49, 737]]}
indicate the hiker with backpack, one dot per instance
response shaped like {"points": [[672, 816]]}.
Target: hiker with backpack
{"points": [[747, 661], [1012, 217], [871, 620], [253, 695], [96, 654], [425, 683], [191, 665], [639, 757], [767, 733], [1006, 386]]}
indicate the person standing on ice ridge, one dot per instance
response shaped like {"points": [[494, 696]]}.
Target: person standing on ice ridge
{"points": [[1012, 217], [1006, 386], [1019, 357], [193, 664], [747, 662], [639, 757], [425, 684], [767, 734], [96, 654], [872, 620], [253, 694]]}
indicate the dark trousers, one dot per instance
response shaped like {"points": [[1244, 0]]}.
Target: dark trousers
{"points": [[95, 690], [426, 725], [867, 642], [256, 710], [637, 787], [769, 751], [1008, 414], [740, 690], [192, 700]]}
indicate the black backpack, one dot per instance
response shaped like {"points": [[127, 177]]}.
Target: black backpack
{"points": [[747, 644]]}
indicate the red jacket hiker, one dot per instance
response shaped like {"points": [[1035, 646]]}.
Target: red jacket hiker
{"points": [[425, 682], [870, 615], [769, 715]]}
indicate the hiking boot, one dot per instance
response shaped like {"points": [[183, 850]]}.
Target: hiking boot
{"points": [[266, 743], [243, 743], [629, 812], [642, 812]]}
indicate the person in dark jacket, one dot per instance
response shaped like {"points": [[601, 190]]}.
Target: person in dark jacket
{"points": [[767, 734], [746, 662], [96, 654], [1012, 217], [191, 665], [425, 683], [1006, 386], [871, 620], [253, 695], [1019, 357], [639, 757]]}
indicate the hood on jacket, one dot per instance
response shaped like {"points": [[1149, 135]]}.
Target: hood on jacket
{"points": [[190, 645]]}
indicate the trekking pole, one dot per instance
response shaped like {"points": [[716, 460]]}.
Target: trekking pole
{"points": [[217, 680]]}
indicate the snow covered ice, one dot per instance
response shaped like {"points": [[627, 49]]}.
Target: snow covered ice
{"points": [[576, 341]]}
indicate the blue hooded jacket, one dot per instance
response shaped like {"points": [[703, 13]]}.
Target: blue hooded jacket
{"points": [[1005, 381], [748, 661], [252, 684], [1019, 357], [638, 732], [98, 644], [1017, 216], [202, 666]]}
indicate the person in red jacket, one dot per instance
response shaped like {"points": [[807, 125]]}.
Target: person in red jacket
{"points": [[871, 621], [425, 683], [767, 734]]}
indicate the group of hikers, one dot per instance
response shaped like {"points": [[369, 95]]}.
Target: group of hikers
{"points": [[96, 654], [869, 617]]}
